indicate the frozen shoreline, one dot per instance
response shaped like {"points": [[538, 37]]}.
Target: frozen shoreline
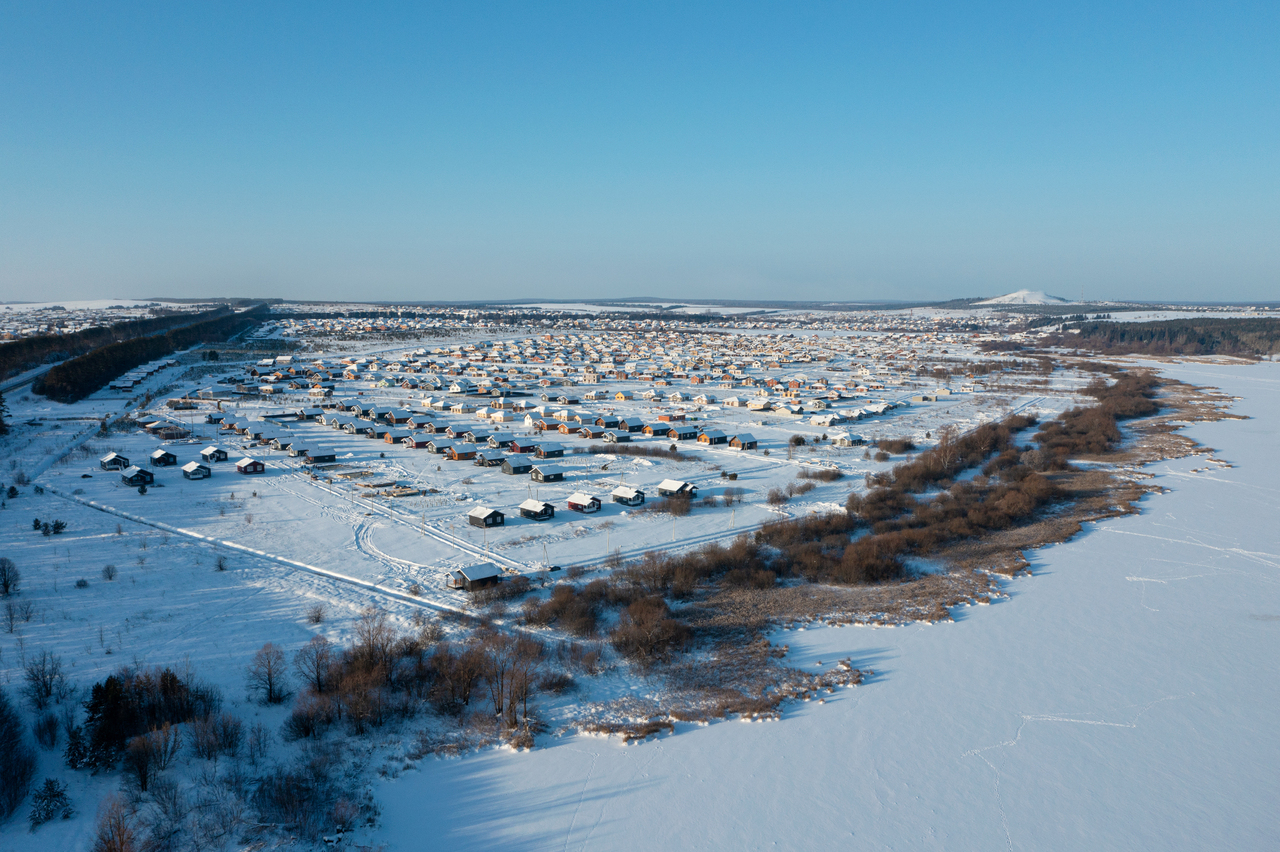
{"points": [[1119, 699]]}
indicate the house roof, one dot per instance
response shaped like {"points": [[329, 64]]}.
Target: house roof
{"points": [[483, 571], [626, 492], [547, 469], [532, 505], [481, 512], [190, 466], [675, 484], [581, 497]]}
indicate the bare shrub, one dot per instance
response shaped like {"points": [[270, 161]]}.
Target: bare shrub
{"points": [[896, 446], [45, 729], [259, 743], [216, 735], [557, 683], [267, 675], [777, 497], [109, 572], [315, 613], [310, 717], [647, 633], [823, 475]]}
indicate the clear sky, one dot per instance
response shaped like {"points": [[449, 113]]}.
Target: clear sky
{"points": [[797, 150]]}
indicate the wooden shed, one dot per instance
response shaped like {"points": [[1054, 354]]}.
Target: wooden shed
{"points": [[136, 476], [113, 461], [627, 496], [163, 458], [537, 510], [213, 454], [195, 470], [476, 577], [481, 516], [584, 503]]}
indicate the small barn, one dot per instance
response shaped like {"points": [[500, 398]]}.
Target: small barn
{"points": [[627, 496], [584, 503], [135, 476], [713, 436], [213, 454], [321, 457], [677, 488], [537, 510], [195, 470], [743, 441], [681, 432], [549, 451], [250, 466], [476, 577], [163, 458], [546, 473], [515, 465], [113, 461], [481, 516]]}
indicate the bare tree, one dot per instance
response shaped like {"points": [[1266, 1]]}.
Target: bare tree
{"points": [[10, 577], [114, 832], [947, 449], [375, 639], [45, 681], [140, 761], [313, 663], [165, 743], [267, 675]]}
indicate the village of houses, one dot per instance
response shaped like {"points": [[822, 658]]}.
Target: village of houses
{"points": [[433, 470]]}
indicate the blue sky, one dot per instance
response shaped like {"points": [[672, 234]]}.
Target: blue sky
{"points": [[739, 150]]}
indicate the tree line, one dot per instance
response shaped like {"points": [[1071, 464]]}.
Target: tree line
{"points": [[19, 355], [75, 379], [1243, 336]]}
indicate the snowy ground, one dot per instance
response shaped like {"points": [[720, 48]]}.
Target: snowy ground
{"points": [[1124, 697], [1101, 670]]}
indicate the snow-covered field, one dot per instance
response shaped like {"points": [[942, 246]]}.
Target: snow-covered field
{"points": [[1122, 698]]}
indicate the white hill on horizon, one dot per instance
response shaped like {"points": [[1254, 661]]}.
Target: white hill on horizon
{"points": [[1025, 297]]}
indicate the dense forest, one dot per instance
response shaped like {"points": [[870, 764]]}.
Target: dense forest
{"points": [[75, 379], [19, 355], [1246, 337]]}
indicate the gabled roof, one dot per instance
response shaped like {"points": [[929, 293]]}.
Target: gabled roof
{"points": [[481, 512], [532, 505], [580, 497], [483, 571]]}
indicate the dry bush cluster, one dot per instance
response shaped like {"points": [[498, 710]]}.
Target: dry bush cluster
{"points": [[644, 450]]}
